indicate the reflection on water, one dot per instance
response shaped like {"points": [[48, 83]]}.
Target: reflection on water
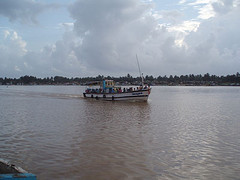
{"points": [[180, 133]]}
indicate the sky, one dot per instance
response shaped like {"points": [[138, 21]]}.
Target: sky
{"points": [[79, 38]]}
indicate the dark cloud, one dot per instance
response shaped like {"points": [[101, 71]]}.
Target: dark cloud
{"points": [[111, 31], [23, 10], [223, 6]]}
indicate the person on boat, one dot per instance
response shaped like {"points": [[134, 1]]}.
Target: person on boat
{"points": [[111, 90], [120, 90]]}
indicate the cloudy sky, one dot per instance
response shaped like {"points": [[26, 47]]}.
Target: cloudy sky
{"points": [[76, 38]]}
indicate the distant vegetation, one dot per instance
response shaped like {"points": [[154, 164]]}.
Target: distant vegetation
{"points": [[184, 80]]}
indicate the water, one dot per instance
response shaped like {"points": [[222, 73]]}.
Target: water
{"points": [[180, 133]]}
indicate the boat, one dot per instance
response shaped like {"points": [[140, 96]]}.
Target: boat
{"points": [[9, 171], [106, 90]]}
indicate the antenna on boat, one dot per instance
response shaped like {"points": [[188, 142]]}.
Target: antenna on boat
{"points": [[141, 74]]}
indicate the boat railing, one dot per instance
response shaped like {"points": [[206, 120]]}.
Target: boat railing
{"points": [[116, 90]]}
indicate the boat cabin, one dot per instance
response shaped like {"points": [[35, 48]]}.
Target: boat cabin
{"points": [[107, 90]]}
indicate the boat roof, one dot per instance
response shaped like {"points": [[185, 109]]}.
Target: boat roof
{"points": [[93, 83]]}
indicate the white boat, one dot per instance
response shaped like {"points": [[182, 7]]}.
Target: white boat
{"points": [[106, 90]]}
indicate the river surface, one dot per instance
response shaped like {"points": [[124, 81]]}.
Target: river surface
{"points": [[180, 133]]}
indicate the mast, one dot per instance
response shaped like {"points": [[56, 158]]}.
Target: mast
{"points": [[141, 74]]}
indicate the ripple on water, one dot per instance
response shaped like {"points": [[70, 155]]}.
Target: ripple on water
{"points": [[181, 133]]}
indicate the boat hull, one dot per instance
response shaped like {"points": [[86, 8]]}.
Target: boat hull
{"points": [[141, 95], [11, 172]]}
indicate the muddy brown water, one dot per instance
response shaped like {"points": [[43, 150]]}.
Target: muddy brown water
{"points": [[180, 133]]}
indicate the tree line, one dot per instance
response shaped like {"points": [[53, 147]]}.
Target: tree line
{"points": [[190, 79]]}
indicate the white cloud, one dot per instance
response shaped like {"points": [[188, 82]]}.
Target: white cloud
{"points": [[17, 68], [186, 26], [204, 7], [206, 12], [182, 1], [13, 43], [67, 26], [172, 16], [236, 3], [182, 30], [6, 34], [12, 49], [210, 8], [217, 43], [107, 35]]}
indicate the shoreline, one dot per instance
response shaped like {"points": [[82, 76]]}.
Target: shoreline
{"points": [[182, 85]]}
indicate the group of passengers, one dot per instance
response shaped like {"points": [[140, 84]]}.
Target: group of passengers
{"points": [[115, 90]]}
